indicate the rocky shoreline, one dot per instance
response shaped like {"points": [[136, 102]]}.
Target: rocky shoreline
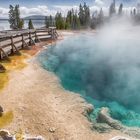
{"points": [[110, 123]]}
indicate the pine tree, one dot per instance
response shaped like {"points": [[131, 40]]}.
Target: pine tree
{"points": [[120, 9], [112, 9], [47, 22], [17, 15], [59, 21], [30, 25], [86, 15], [76, 21], [131, 13], [21, 24], [101, 17], [134, 12], [72, 20], [68, 20], [81, 14], [14, 17], [50, 21]]}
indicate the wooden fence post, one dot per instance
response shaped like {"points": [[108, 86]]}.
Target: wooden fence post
{"points": [[12, 44], [24, 44], [14, 48], [22, 41], [0, 51], [3, 52], [36, 37], [31, 41]]}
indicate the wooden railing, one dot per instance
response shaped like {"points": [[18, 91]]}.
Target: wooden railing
{"points": [[11, 41]]}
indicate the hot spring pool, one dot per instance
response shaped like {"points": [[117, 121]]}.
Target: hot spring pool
{"points": [[105, 72]]}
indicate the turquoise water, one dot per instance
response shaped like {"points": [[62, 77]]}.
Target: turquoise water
{"points": [[106, 74]]}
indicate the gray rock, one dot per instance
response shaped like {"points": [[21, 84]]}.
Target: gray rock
{"points": [[34, 138], [52, 129], [1, 111], [120, 138], [102, 127], [132, 132], [2, 69], [5, 135], [104, 117], [89, 108]]}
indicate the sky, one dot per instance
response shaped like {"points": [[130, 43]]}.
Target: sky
{"points": [[47, 7]]}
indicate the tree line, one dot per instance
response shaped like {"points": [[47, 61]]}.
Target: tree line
{"points": [[75, 19], [16, 22], [84, 19]]}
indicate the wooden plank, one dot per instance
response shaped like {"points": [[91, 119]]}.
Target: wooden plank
{"points": [[42, 31], [36, 37], [4, 46], [43, 35], [31, 41], [14, 48], [0, 54], [24, 44], [23, 37], [3, 52]]}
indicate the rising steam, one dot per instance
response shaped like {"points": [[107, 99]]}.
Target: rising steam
{"points": [[104, 66]]}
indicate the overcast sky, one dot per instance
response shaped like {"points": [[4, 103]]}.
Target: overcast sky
{"points": [[47, 7]]}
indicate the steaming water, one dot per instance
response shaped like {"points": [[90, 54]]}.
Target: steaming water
{"points": [[106, 73]]}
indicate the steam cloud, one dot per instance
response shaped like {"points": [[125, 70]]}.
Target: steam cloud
{"points": [[105, 65]]}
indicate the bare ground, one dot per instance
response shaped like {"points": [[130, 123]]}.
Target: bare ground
{"points": [[40, 104], [42, 107]]}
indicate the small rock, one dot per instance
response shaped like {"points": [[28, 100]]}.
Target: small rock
{"points": [[2, 69], [5, 135], [88, 108], [1, 111], [52, 129], [102, 128], [133, 132], [119, 138], [104, 117], [34, 138]]}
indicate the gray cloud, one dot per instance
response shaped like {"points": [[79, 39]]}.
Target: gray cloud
{"points": [[45, 10]]}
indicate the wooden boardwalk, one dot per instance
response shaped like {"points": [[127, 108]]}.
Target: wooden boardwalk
{"points": [[12, 41]]}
